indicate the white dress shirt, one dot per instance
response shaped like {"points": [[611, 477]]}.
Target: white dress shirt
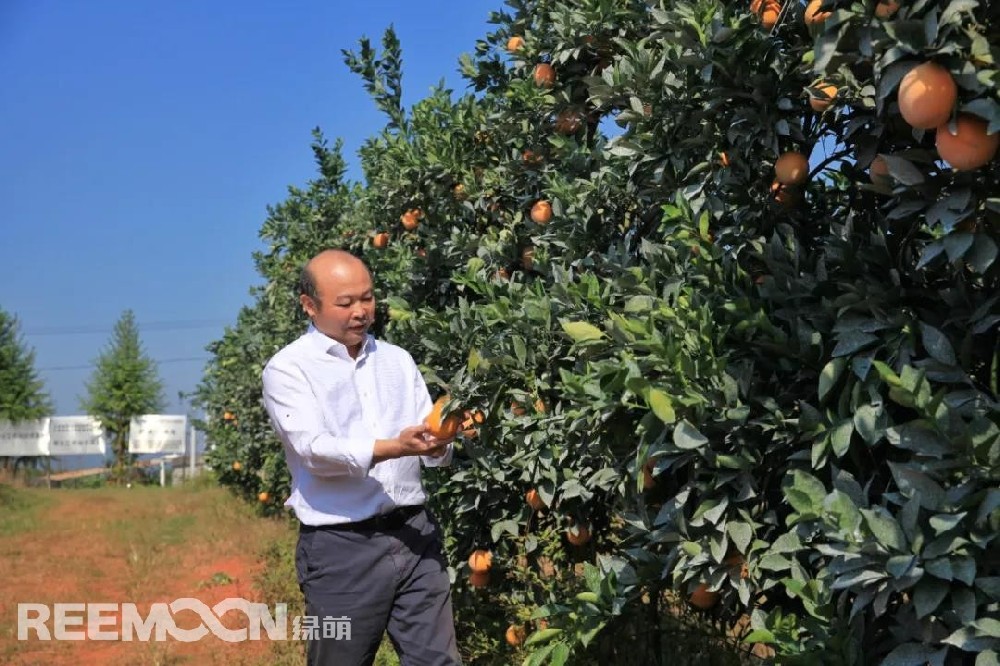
{"points": [[328, 409]]}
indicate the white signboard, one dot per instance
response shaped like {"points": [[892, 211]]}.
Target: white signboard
{"points": [[27, 438], [157, 433], [76, 435]]}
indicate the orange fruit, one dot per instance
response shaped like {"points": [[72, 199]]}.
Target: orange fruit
{"points": [[439, 425], [886, 8], [481, 561], [735, 560], [702, 598], [528, 258], [517, 409], [263, 496], [458, 191], [411, 219], [515, 43], [237, 466], [578, 534], [515, 635], [769, 18], [791, 168], [723, 159], [648, 480], [503, 274], [534, 500], [381, 240], [228, 416], [530, 158], [756, 6], [541, 212], [971, 147], [568, 122], [470, 421], [820, 104], [787, 196], [878, 171], [544, 75], [540, 406], [813, 16], [479, 579], [927, 95]]}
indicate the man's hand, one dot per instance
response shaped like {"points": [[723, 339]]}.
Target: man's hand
{"points": [[412, 441]]}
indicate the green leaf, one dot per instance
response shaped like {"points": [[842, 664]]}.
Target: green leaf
{"points": [[581, 331], [804, 492], [852, 341], [869, 421], [840, 437], [987, 658], [928, 595], [937, 345], [662, 405], [916, 485], [543, 635], [915, 654], [687, 437], [884, 528], [919, 437], [741, 533], [830, 374]]}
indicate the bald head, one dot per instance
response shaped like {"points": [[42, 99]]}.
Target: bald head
{"points": [[324, 265], [336, 293]]}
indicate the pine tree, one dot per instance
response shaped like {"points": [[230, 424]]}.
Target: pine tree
{"points": [[125, 383], [22, 393]]}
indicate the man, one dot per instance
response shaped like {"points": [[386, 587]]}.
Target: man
{"points": [[349, 410]]}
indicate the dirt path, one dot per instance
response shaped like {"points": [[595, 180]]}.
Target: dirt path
{"points": [[142, 545]]}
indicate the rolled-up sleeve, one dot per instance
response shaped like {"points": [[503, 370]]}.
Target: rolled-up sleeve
{"points": [[424, 406], [297, 418]]}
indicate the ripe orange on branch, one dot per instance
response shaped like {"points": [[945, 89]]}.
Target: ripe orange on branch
{"points": [[544, 75], [886, 8], [927, 95], [541, 212], [879, 172], [515, 43], [822, 103], [481, 561], [578, 534], [792, 168], [534, 500], [702, 598], [479, 579], [440, 425], [813, 15], [411, 219], [381, 240], [515, 635], [970, 147]]}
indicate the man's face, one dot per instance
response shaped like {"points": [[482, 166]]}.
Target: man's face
{"points": [[345, 305]]}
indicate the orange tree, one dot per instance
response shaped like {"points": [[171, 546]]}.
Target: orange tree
{"points": [[716, 284]]}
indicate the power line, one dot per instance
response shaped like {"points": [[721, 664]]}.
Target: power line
{"points": [[185, 359], [170, 325]]}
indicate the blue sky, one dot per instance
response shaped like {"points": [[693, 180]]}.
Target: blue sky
{"points": [[141, 141]]}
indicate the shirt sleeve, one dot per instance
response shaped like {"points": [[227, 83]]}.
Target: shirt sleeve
{"points": [[424, 406], [297, 418]]}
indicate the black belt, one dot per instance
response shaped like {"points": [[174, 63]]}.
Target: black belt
{"points": [[392, 520]]}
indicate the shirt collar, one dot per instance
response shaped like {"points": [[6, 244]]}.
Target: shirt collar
{"points": [[329, 347]]}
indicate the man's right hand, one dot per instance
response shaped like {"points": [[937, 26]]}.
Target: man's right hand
{"points": [[412, 441]]}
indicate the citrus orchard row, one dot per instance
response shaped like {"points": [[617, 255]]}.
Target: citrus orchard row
{"points": [[708, 293]]}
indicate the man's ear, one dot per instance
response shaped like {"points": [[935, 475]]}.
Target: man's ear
{"points": [[309, 306]]}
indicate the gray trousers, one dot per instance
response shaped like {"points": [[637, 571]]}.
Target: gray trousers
{"points": [[385, 574]]}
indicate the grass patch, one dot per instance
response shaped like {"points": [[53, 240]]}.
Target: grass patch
{"points": [[18, 509]]}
